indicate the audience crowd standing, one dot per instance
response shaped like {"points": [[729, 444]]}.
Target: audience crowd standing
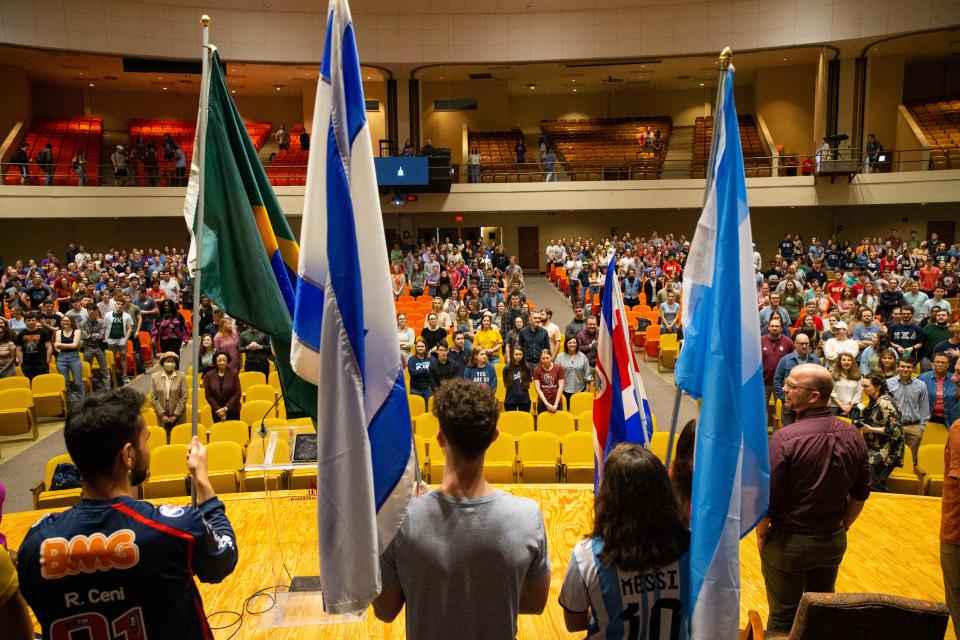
{"points": [[845, 328]]}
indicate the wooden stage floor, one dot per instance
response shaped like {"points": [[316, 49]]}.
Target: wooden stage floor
{"points": [[893, 548]]}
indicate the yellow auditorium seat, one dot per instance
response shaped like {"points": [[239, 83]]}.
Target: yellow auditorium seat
{"points": [[435, 460], [577, 457], [580, 402], [202, 393], [17, 416], [274, 380], [658, 444], [260, 480], [285, 430], [421, 444], [204, 415], [516, 423], [250, 378], [44, 498], [261, 392], [930, 464], [538, 456], [230, 431], [225, 466], [904, 478], [426, 425], [168, 472], [499, 465], [585, 421], [14, 382], [150, 417], [158, 437], [49, 395], [935, 433], [252, 412], [183, 433], [560, 423], [669, 349], [417, 405]]}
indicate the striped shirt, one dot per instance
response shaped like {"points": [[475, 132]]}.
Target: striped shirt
{"points": [[623, 604]]}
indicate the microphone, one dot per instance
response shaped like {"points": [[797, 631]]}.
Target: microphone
{"points": [[263, 429]]}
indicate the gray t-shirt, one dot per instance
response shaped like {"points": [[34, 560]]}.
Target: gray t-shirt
{"points": [[462, 562]]}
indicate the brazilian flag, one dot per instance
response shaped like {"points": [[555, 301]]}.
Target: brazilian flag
{"points": [[249, 254]]}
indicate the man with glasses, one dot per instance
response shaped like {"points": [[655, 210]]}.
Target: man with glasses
{"points": [[819, 481], [800, 355]]}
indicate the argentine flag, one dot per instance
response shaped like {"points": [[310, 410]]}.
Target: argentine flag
{"points": [[621, 412], [345, 337], [720, 363]]}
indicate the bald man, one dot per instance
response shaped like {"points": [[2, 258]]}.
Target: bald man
{"points": [[819, 480]]}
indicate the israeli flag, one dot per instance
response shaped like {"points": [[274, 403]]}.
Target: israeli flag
{"points": [[345, 337], [720, 363]]}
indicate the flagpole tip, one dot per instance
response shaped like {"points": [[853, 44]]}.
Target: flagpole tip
{"points": [[726, 55], [205, 20]]}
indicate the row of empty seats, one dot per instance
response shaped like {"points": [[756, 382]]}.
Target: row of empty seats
{"points": [[183, 133], [607, 148], [940, 122], [756, 160], [66, 136], [289, 166]]}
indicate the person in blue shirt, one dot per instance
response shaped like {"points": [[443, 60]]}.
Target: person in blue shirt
{"points": [[624, 580], [115, 563], [787, 247], [800, 355], [419, 367], [631, 288], [480, 370]]}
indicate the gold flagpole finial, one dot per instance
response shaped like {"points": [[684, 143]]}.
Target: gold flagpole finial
{"points": [[205, 20], [726, 56]]}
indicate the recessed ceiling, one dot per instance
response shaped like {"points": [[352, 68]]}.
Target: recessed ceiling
{"points": [[106, 72], [409, 7]]}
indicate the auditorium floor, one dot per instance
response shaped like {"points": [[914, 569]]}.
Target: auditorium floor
{"points": [[892, 548]]}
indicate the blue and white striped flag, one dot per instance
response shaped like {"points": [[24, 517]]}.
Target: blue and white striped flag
{"points": [[345, 337], [720, 363]]}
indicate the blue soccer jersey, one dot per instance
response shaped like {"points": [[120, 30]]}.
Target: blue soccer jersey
{"points": [[123, 569], [626, 605]]}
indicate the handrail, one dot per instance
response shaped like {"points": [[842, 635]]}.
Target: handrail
{"points": [[932, 158]]}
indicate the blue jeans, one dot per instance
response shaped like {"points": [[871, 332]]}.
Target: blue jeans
{"points": [[474, 173], [69, 364]]}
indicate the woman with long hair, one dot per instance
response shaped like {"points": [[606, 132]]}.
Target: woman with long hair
{"points": [[397, 280], [418, 365], [681, 469], [882, 429], [66, 344], [443, 318], [464, 325], [868, 297], [870, 357], [405, 336], [638, 539], [170, 329], [887, 364], [548, 380], [847, 386], [792, 300], [846, 305], [480, 370], [808, 326], [416, 280], [207, 351], [227, 340], [488, 338], [516, 383]]}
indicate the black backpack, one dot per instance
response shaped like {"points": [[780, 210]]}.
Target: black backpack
{"points": [[65, 476]]}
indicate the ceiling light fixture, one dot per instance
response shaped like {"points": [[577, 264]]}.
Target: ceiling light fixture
{"points": [[701, 84], [91, 84], [574, 89], [784, 59], [233, 90], [164, 88]]}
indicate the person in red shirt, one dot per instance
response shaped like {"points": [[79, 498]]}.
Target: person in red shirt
{"points": [[156, 292], [835, 288], [773, 346], [671, 267], [548, 380], [929, 276], [810, 309], [888, 263]]}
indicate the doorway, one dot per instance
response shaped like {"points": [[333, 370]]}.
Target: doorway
{"points": [[528, 252]]}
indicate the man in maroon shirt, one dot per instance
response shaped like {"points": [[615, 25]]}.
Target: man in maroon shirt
{"points": [[773, 346], [819, 480]]}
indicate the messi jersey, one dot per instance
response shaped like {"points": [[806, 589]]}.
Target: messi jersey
{"points": [[626, 605], [120, 568]]}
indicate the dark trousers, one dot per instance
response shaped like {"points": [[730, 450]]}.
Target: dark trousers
{"points": [[950, 564], [793, 564], [33, 372], [263, 366], [517, 406], [879, 472]]}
